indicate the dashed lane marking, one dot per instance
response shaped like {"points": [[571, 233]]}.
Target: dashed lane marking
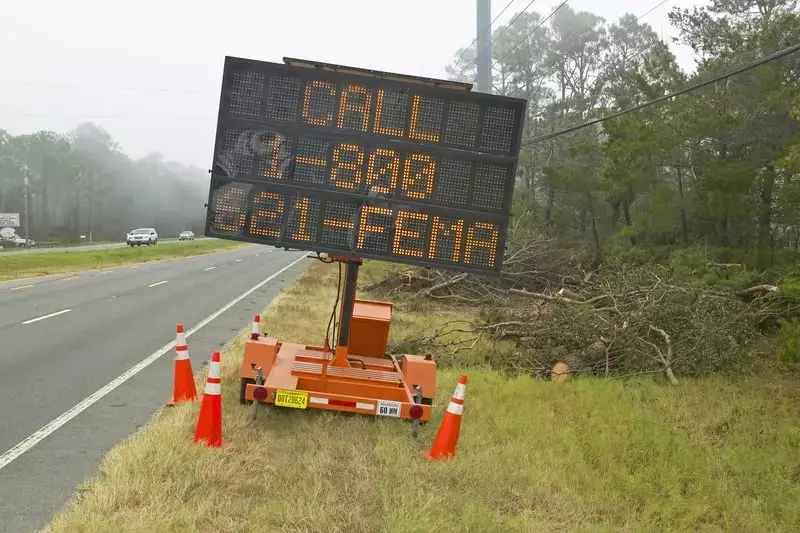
{"points": [[51, 315]]}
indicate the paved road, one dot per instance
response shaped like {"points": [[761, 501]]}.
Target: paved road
{"points": [[83, 248], [64, 337]]}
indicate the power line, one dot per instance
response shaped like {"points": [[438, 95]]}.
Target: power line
{"points": [[651, 10], [499, 33], [475, 40], [510, 23], [548, 17], [513, 20], [757, 63]]}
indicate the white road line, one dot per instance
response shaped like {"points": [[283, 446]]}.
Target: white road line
{"points": [[238, 260], [157, 284], [22, 287], [51, 315], [32, 440], [210, 268]]}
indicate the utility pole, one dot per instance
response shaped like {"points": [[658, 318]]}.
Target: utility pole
{"points": [[27, 192], [91, 203], [484, 44]]}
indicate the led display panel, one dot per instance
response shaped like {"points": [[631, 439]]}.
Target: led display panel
{"points": [[366, 164]]}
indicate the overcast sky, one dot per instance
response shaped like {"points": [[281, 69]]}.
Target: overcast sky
{"points": [[148, 71]]}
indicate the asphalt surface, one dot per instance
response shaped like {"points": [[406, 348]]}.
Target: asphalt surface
{"points": [[81, 248], [52, 359]]}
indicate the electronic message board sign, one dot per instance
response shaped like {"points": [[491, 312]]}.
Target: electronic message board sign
{"points": [[366, 164]]}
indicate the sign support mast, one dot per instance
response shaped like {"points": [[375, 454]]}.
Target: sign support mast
{"points": [[352, 266], [484, 46]]}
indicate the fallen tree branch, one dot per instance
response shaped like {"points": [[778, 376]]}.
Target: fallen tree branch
{"points": [[470, 347], [442, 285], [726, 265], [566, 293], [501, 325], [760, 288], [666, 359], [540, 296], [562, 297]]}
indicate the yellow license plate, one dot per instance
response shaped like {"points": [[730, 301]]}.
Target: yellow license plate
{"points": [[290, 398]]}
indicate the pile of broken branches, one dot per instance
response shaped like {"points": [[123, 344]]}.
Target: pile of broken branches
{"points": [[608, 323], [551, 305]]}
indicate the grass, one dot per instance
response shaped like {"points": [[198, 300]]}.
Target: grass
{"points": [[586, 455], [42, 264]]}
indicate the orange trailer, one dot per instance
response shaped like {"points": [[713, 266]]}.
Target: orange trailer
{"points": [[355, 377]]}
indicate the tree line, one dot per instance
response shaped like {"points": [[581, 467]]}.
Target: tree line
{"points": [[719, 167], [81, 183]]}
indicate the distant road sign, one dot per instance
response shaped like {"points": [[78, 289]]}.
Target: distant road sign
{"points": [[9, 220], [7, 233], [374, 165]]}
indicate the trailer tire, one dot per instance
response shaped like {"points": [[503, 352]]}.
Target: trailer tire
{"points": [[242, 390]]}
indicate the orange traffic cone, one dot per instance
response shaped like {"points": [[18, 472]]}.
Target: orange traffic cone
{"points": [[183, 388], [255, 330], [446, 441], [209, 423]]}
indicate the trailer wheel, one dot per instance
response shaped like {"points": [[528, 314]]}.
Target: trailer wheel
{"points": [[242, 390]]}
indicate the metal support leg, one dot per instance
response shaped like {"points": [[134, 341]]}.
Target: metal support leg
{"points": [[259, 381], [415, 423]]}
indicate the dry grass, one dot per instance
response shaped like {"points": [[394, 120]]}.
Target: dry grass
{"points": [[587, 455], [42, 264]]}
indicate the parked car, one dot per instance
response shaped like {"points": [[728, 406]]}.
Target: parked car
{"points": [[20, 242], [186, 236], [142, 236]]}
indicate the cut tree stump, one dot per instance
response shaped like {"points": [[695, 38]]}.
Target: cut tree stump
{"points": [[560, 372]]}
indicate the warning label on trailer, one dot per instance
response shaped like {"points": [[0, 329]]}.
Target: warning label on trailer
{"points": [[387, 408]]}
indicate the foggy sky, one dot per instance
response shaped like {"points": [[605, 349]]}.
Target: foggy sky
{"points": [[149, 71]]}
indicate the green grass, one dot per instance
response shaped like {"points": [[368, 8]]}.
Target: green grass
{"points": [[41, 264], [585, 455]]}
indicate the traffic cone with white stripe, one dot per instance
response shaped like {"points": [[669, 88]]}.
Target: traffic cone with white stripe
{"points": [[183, 387], [255, 329], [209, 422], [446, 441]]}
